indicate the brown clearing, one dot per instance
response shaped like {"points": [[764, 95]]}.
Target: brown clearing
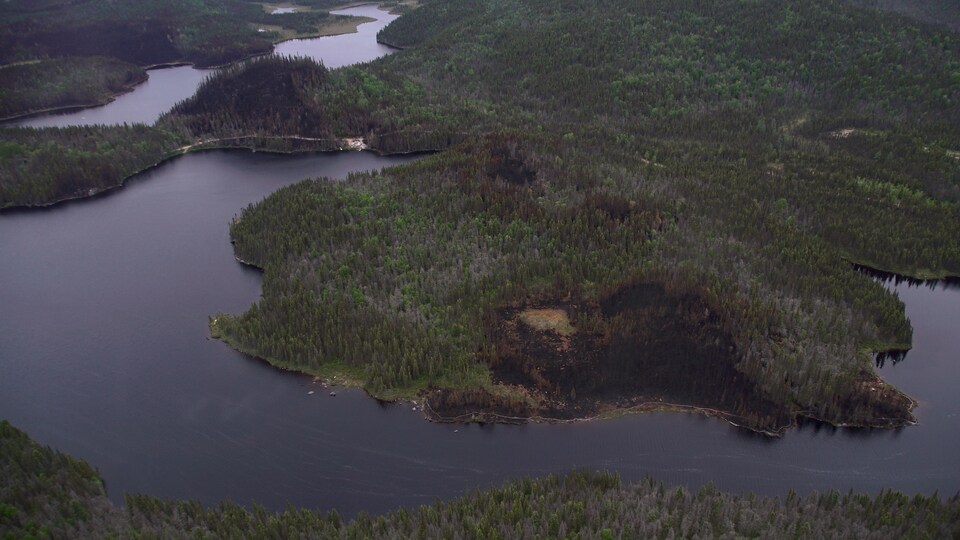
{"points": [[645, 346], [548, 319], [638, 348]]}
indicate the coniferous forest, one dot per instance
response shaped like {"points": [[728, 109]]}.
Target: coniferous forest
{"points": [[41, 167], [622, 206], [49, 494], [61, 53], [64, 82], [734, 160], [605, 169]]}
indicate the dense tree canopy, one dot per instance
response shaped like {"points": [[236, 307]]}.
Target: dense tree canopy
{"points": [[735, 158], [58, 53], [39, 167], [64, 82]]}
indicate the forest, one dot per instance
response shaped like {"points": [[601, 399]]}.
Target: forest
{"points": [[713, 169], [61, 53], [42, 167], [718, 152], [47, 494], [33, 87]]}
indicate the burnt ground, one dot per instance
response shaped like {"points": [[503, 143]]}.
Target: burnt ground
{"points": [[641, 347]]}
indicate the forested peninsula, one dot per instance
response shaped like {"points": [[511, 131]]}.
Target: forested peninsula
{"points": [[633, 206], [638, 207], [49, 494], [61, 54]]}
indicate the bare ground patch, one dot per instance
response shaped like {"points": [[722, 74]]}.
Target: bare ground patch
{"points": [[548, 319], [638, 349]]}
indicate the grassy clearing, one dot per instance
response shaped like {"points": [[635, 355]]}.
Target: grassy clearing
{"points": [[548, 319]]}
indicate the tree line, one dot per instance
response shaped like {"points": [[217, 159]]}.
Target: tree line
{"points": [[767, 167], [64, 54], [747, 161], [50, 494]]}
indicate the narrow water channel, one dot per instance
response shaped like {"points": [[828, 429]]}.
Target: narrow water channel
{"points": [[104, 354], [168, 86]]}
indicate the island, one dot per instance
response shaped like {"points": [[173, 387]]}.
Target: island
{"points": [[51, 494], [617, 207], [61, 54], [626, 208], [634, 208]]}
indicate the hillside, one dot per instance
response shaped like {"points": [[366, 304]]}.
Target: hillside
{"points": [[64, 83], [62, 53], [681, 187], [42, 167], [637, 206]]}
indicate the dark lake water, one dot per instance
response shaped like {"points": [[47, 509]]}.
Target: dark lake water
{"points": [[168, 86], [164, 88], [104, 354], [346, 49]]}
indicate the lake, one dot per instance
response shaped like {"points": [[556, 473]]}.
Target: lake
{"points": [[165, 87], [104, 354]]}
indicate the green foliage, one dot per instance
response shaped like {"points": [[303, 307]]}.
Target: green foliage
{"points": [[255, 97], [273, 97], [142, 33], [756, 163], [44, 166], [64, 82], [46, 493], [940, 12], [748, 151]]}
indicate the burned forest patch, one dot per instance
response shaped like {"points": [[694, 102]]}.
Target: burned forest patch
{"points": [[641, 347]]}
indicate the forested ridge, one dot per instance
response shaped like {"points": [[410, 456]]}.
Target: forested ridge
{"points": [[315, 108], [203, 32], [47, 494]]}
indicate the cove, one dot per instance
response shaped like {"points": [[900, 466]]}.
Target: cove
{"points": [[104, 354], [170, 85]]}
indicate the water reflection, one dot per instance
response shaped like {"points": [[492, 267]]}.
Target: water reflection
{"points": [[866, 434], [144, 104], [104, 354], [895, 356], [894, 281], [167, 86], [889, 278]]}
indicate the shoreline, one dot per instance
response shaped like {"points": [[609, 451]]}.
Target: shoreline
{"points": [[333, 376], [184, 150], [127, 88], [917, 278], [473, 416], [337, 378], [182, 63]]}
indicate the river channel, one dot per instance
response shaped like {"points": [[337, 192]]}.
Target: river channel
{"points": [[104, 354], [167, 86]]}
